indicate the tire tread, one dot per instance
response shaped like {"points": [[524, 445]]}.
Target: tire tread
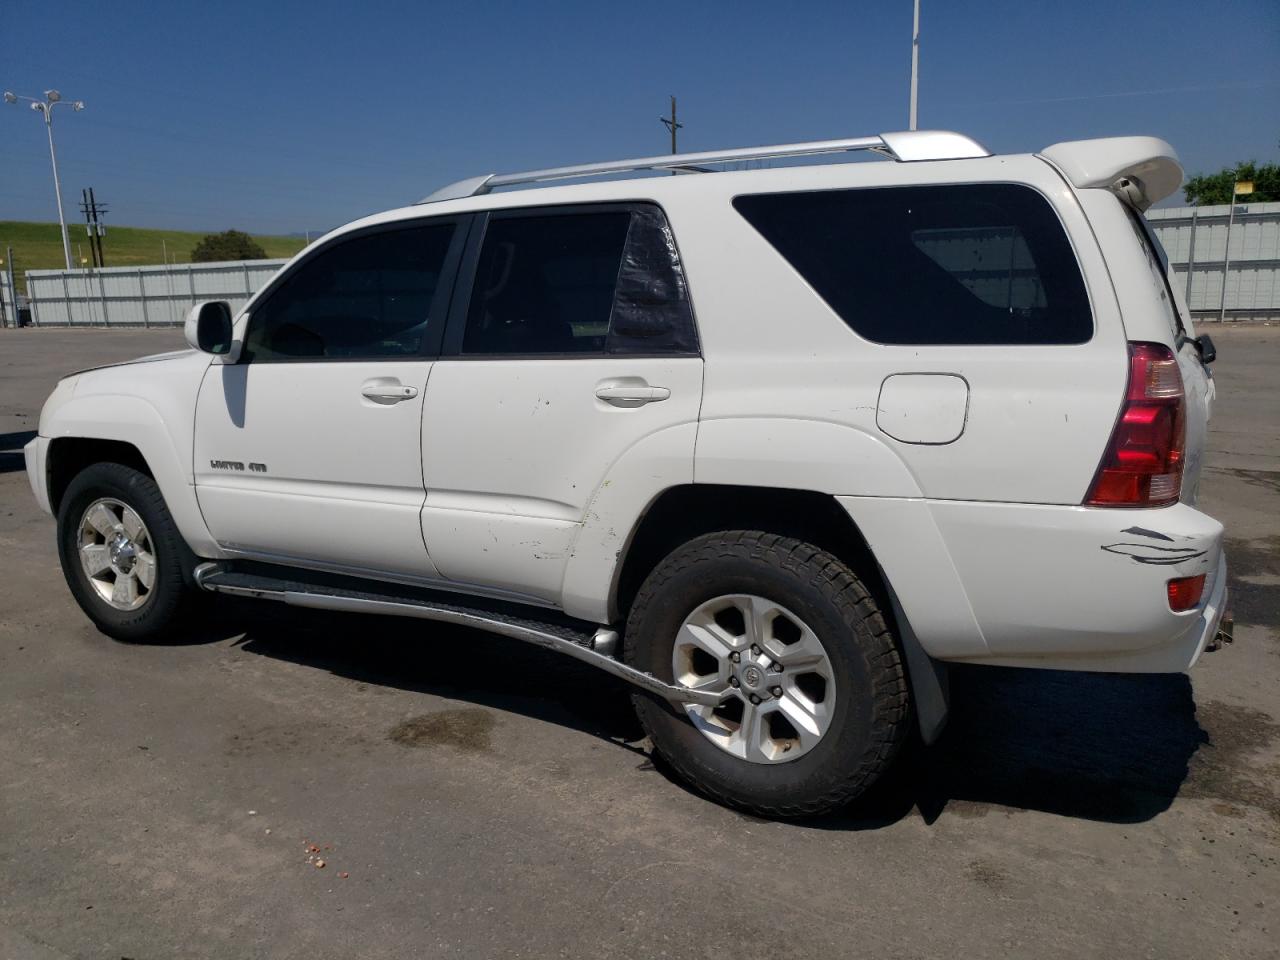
{"points": [[832, 577]]}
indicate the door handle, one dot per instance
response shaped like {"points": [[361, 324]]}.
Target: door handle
{"points": [[630, 392], [387, 390]]}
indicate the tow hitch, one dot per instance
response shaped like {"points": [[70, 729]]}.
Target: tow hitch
{"points": [[1225, 633]]}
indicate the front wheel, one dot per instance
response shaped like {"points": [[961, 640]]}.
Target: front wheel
{"points": [[814, 701], [121, 553]]}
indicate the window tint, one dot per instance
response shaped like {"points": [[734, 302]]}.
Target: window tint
{"points": [[964, 264], [546, 284], [591, 283], [365, 298]]}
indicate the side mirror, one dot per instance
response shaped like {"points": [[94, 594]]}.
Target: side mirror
{"points": [[1204, 344], [208, 326]]}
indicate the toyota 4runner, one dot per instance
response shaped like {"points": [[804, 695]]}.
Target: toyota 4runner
{"points": [[772, 445]]}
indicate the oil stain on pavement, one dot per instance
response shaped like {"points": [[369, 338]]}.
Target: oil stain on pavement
{"points": [[468, 729]]}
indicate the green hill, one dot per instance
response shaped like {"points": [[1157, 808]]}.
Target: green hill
{"points": [[38, 246]]}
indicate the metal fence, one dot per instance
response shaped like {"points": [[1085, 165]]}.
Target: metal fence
{"points": [[140, 296], [8, 302], [1202, 255], [1196, 238]]}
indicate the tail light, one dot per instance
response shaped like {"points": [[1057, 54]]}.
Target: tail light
{"points": [[1185, 592], [1143, 463]]}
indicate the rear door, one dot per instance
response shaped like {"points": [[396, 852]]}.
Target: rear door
{"points": [[307, 449], [574, 342]]}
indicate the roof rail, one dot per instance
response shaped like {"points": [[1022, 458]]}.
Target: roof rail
{"points": [[905, 146]]}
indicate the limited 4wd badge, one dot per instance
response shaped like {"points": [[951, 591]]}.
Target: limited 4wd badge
{"points": [[237, 466]]}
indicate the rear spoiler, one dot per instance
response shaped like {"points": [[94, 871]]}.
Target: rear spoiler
{"points": [[1140, 170]]}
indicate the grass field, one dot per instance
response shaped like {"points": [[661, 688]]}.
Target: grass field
{"points": [[38, 246]]}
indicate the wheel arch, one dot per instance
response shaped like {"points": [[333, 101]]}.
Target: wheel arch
{"points": [[123, 429], [68, 456], [683, 512]]}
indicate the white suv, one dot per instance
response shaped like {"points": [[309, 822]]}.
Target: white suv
{"points": [[773, 445]]}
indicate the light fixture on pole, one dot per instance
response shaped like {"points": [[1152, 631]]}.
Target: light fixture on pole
{"points": [[52, 98]]}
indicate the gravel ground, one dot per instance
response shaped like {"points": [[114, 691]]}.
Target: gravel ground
{"points": [[471, 797]]}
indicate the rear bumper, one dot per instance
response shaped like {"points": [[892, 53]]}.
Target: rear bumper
{"points": [[1030, 585], [36, 454]]}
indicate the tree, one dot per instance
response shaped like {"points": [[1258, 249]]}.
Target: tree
{"points": [[1210, 188], [229, 245]]}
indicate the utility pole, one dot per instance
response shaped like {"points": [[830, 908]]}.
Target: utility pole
{"points": [[99, 228], [93, 225], [673, 125], [88, 222], [915, 63]]}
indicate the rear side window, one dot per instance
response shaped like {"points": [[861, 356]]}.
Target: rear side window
{"points": [[586, 283], [963, 264], [1158, 264], [366, 298]]}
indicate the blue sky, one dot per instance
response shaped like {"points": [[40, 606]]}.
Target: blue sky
{"points": [[283, 117]]}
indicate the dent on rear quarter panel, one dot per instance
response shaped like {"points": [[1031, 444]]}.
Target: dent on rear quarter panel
{"points": [[655, 463]]}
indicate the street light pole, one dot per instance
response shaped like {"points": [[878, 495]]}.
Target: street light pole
{"points": [[57, 184], [915, 63], [45, 107]]}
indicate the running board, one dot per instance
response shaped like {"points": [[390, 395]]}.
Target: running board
{"points": [[574, 639]]}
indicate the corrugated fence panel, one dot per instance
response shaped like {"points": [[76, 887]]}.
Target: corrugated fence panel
{"points": [[1195, 239], [141, 296], [8, 304]]}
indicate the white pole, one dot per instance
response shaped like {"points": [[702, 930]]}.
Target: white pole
{"points": [[51, 99], [915, 63], [1226, 256], [57, 186]]}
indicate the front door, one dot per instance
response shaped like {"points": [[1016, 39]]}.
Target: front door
{"points": [[307, 449], [575, 344]]}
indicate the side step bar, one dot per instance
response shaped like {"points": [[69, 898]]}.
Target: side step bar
{"points": [[570, 638]]}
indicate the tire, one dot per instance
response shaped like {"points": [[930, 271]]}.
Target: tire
{"points": [[796, 594], [161, 596]]}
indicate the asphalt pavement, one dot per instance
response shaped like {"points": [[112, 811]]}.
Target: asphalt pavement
{"points": [[472, 797]]}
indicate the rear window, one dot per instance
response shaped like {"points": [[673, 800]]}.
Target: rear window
{"points": [[963, 264]]}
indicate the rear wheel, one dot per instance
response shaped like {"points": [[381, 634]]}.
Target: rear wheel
{"points": [[814, 701], [121, 553]]}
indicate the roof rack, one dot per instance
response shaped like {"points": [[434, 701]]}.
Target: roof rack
{"points": [[905, 146]]}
